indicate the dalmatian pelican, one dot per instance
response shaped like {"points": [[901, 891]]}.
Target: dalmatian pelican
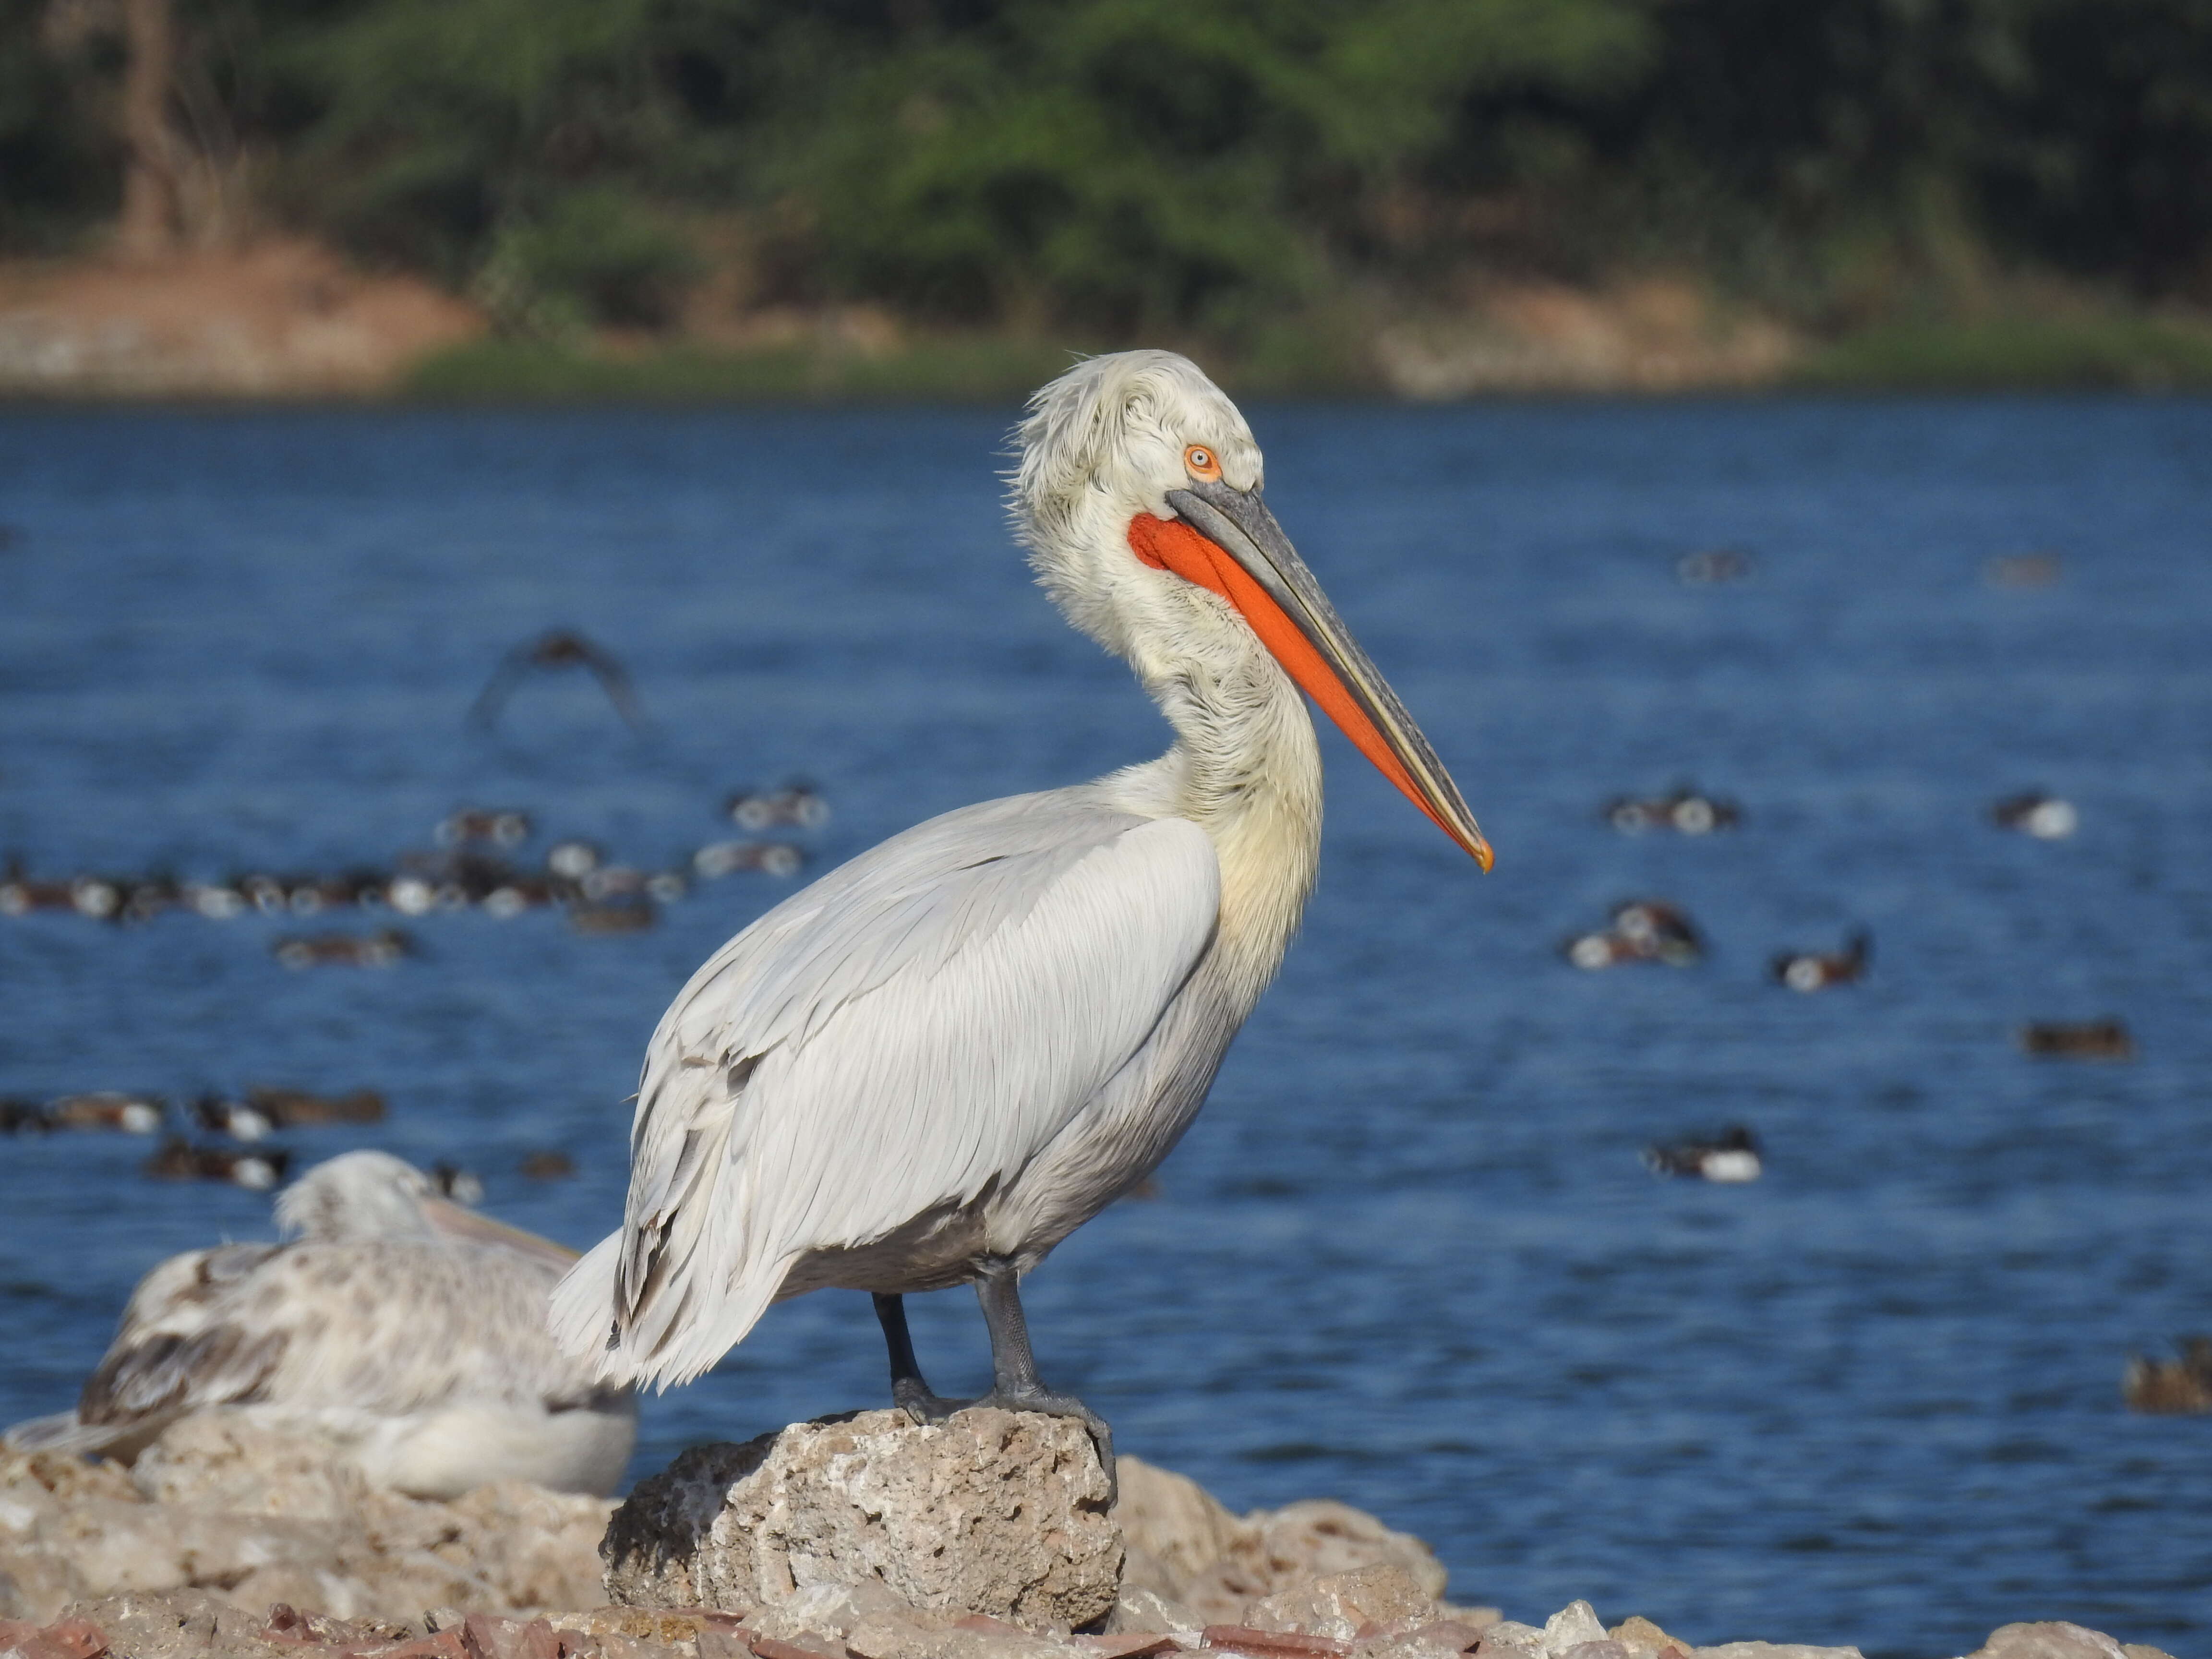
{"points": [[934, 1064], [406, 1333]]}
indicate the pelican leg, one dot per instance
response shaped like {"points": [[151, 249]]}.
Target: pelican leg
{"points": [[910, 1390], [1015, 1386]]}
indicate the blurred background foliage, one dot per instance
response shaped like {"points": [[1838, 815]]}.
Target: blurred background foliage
{"points": [[1211, 166]]}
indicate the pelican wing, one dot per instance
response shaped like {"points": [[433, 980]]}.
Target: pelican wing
{"points": [[881, 1048], [173, 1348]]}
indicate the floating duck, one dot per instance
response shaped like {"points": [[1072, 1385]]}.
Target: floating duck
{"points": [[99, 898], [294, 1108], [547, 1166], [378, 950], [611, 881], [180, 1160], [1810, 971], [411, 895], [572, 860], [234, 1118], [795, 804], [2171, 1386], [511, 898], [308, 896], [1685, 812], [134, 1115], [502, 827], [456, 1184], [20, 1117], [216, 901], [1734, 1157], [270, 893], [1643, 930], [19, 896], [2022, 570], [147, 897], [2095, 1039], [1713, 564], [561, 649], [619, 916], [723, 858], [2046, 818]]}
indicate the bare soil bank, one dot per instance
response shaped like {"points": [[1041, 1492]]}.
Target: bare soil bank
{"points": [[288, 319]]}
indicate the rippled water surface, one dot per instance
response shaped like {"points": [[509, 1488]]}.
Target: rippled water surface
{"points": [[1408, 1257]]}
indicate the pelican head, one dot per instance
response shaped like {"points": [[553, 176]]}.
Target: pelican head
{"points": [[1137, 495]]}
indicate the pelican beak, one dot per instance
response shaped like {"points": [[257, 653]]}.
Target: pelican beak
{"points": [[1227, 540], [452, 1220]]}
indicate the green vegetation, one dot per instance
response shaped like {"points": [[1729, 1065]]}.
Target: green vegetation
{"points": [[1270, 178], [2112, 350]]}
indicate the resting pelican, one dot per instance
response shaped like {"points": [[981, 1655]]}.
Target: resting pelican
{"points": [[934, 1064], [405, 1329]]}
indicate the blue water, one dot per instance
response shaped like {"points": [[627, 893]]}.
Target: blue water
{"points": [[1408, 1257]]}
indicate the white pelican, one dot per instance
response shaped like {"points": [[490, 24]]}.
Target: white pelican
{"points": [[403, 1329], [934, 1064]]}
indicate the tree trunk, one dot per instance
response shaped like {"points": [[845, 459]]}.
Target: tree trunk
{"points": [[150, 225]]}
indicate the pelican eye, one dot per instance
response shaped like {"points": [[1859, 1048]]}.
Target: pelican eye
{"points": [[1201, 463]]}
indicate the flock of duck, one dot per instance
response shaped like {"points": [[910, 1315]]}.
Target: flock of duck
{"points": [[469, 869], [246, 1120], [1646, 930]]}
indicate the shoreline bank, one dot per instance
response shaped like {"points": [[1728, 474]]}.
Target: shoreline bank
{"points": [[289, 321]]}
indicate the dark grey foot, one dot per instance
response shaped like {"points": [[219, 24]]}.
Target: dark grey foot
{"points": [[1017, 1388], [911, 1395]]}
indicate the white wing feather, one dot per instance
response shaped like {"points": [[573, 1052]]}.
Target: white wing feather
{"points": [[884, 1045]]}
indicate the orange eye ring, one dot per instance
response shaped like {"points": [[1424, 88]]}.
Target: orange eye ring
{"points": [[1202, 463]]}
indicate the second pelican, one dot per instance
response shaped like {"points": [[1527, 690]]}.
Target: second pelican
{"points": [[934, 1064]]}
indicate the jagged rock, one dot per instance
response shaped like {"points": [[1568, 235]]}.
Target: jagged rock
{"points": [[35, 1584], [259, 1519], [1184, 1545], [216, 1460], [1644, 1639], [836, 1609], [1344, 1604], [175, 1624], [2052, 1639], [1440, 1638], [1172, 1528], [1777, 1650], [70, 1638], [1148, 1610], [991, 1512], [1508, 1639], [1570, 1628]]}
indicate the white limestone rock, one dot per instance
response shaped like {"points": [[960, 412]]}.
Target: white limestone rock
{"points": [[1344, 1604], [2055, 1639], [998, 1513], [1186, 1546], [1570, 1628]]}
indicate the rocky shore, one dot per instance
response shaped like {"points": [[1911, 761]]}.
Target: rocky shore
{"points": [[858, 1538]]}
